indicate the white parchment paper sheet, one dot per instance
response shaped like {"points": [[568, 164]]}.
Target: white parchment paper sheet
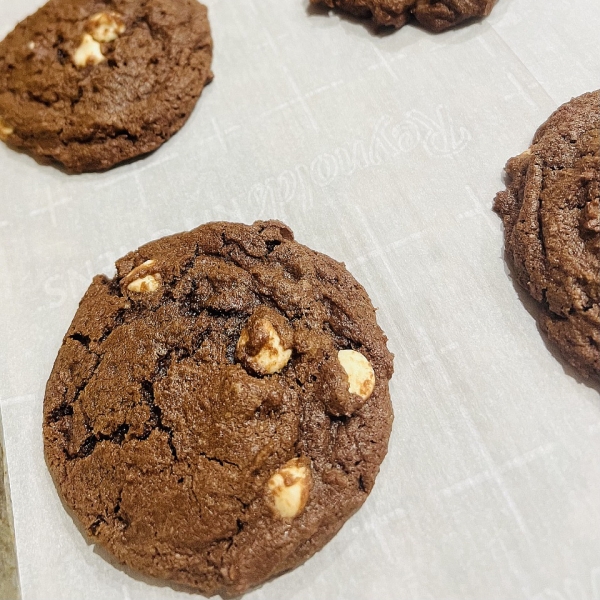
{"points": [[384, 152]]}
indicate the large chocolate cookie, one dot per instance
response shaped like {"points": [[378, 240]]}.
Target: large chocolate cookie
{"points": [[551, 214], [91, 83], [220, 407], [435, 15]]}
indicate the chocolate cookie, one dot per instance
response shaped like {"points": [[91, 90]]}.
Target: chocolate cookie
{"points": [[91, 83], [551, 214], [435, 15], [220, 407]]}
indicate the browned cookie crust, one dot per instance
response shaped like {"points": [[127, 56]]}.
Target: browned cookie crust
{"points": [[91, 83], [435, 15], [551, 214], [199, 420]]}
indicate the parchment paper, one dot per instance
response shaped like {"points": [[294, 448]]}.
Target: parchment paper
{"points": [[384, 151]]}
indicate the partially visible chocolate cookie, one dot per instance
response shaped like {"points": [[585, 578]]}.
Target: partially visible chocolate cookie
{"points": [[220, 407], [551, 214], [435, 15], [91, 83]]}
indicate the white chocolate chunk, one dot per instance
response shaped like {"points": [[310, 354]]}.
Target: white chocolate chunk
{"points": [[361, 377], [106, 26], [272, 357], [88, 53], [290, 488], [144, 285], [5, 130], [143, 279], [31, 45]]}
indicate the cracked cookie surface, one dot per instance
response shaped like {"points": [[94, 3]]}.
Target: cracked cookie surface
{"points": [[551, 215], [434, 15], [203, 428], [89, 84]]}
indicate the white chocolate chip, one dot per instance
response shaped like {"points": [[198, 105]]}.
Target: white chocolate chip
{"points": [[88, 53], [106, 26], [272, 357], [290, 488], [361, 377], [31, 45], [142, 279], [144, 285], [5, 130]]}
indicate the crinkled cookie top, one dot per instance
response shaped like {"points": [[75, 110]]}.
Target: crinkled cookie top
{"points": [[551, 214], [220, 407]]}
